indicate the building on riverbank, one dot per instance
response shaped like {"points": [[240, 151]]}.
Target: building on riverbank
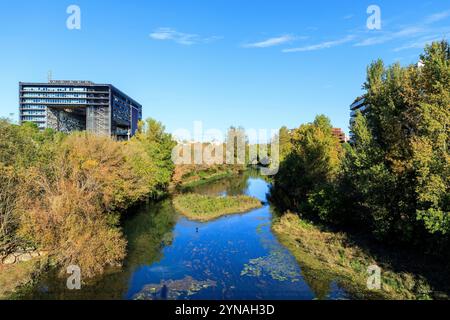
{"points": [[68, 106]]}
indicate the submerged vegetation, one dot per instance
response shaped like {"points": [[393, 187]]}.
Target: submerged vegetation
{"points": [[204, 208], [173, 289], [276, 265]]}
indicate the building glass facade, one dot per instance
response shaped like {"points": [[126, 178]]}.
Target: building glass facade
{"points": [[79, 105]]}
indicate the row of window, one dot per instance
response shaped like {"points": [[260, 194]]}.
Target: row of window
{"points": [[54, 89], [34, 118], [60, 101], [121, 109], [34, 112], [33, 106], [362, 109], [54, 95]]}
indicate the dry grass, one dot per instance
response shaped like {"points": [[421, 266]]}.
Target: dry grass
{"points": [[321, 250], [205, 208], [17, 275]]}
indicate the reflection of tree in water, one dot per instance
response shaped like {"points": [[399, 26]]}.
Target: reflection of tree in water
{"points": [[313, 273], [319, 283], [233, 186], [279, 264], [147, 233]]}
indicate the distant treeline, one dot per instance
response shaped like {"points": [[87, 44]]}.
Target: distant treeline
{"points": [[392, 180]]}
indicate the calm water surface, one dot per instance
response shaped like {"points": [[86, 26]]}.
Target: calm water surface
{"points": [[170, 257]]}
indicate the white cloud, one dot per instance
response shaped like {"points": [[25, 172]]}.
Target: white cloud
{"points": [[323, 45], [271, 42], [422, 29], [170, 34], [418, 44], [389, 36], [437, 17]]}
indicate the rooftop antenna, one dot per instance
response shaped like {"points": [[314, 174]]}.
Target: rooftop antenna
{"points": [[49, 76]]}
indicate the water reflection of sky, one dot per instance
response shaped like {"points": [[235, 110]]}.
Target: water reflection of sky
{"points": [[234, 257], [238, 253]]}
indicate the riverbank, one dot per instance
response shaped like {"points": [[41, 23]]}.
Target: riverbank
{"points": [[346, 261], [15, 277], [67, 193], [206, 208], [205, 179], [290, 259], [190, 176]]}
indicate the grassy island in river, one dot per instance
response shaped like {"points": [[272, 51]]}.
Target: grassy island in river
{"points": [[205, 208]]}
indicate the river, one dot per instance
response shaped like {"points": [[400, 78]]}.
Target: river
{"points": [[169, 257]]}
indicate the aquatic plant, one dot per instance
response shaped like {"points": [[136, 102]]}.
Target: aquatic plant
{"points": [[173, 289], [278, 265]]}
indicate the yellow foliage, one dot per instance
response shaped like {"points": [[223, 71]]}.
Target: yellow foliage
{"points": [[71, 207]]}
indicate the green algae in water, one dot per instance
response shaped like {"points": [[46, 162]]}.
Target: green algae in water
{"points": [[277, 265], [259, 228], [173, 289]]}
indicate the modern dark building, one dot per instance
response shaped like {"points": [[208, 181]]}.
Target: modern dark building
{"points": [[79, 105], [358, 105]]}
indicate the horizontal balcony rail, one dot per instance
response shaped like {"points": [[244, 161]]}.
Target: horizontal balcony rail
{"points": [[47, 91], [87, 97], [358, 104], [66, 104]]}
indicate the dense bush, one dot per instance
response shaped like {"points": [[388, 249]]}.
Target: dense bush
{"points": [[68, 192], [21, 147], [8, 200], [309, 170]]}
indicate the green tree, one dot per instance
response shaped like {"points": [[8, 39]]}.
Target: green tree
{"points": [[285, 142], [306, 173], [156, 164], [394, 178], [397, 171], [430, 155]]}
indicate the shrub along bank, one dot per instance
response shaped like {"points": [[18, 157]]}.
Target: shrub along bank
{"points": [[65, 194]]}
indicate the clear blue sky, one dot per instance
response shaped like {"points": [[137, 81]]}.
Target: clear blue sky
{"points": [[259, 64]]}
